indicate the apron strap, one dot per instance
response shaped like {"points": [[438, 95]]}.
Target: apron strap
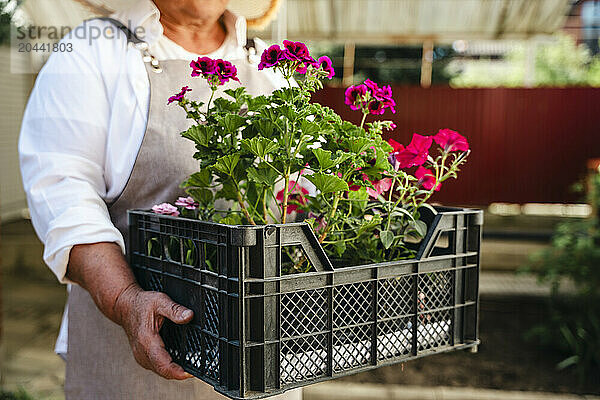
{"points": [[136, 42]]}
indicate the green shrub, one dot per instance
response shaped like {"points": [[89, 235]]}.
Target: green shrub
{"points": [[574, 255]]}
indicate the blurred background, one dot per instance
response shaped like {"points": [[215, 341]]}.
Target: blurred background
{"points": [[519, 78]]}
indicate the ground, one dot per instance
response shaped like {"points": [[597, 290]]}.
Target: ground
{"points": [[32, 307]]}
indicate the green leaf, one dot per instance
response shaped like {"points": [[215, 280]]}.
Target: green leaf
{"points": [[226, 164], [420, 227], [231, 219], [238, 94], [259, 146], [359, 197], [387, 238], [265, 127], [567, 362], [232, 122], [310, 128], [340, 248], [327, 183], [358, 145], [324, 158], [257, 102], [198, 179], [199, 134], [266, 175], [228, 191], [201, 195], [221, 104]]}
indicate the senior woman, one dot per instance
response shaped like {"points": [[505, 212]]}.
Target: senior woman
{"points": [[98, 138]]}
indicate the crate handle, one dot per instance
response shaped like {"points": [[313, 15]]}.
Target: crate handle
{"points": [[301, 235]]}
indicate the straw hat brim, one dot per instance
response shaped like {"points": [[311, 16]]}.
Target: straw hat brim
{"points": [[258, 13]]}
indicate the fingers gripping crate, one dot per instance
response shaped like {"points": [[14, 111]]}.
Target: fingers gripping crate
{"points": [[257, 332]]}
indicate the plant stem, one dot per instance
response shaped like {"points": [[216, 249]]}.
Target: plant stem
{"points": [[363, 119], [244, 209], [390, 209], [213, 90], [286, 192], [336, 201], [265, 205]]}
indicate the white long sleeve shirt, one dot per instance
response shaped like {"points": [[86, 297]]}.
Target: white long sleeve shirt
{"points": [[83, 127]]}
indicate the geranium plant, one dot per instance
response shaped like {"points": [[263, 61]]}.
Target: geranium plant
{"points": [[364, 194]]}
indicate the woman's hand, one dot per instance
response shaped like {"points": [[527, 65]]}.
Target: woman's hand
{"points": [[102, 270], [142, 314]]}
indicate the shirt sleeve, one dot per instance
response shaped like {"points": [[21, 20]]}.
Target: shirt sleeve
{"points": [[62, 150]]}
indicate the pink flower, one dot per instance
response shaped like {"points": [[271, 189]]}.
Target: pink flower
{"points": [[179, 96], [416, 152], [187, 202], [379, 186], [165, 209], [451, 140], [354, 95], [426, 179], [271, 57], [296, 194], [320, 219]]}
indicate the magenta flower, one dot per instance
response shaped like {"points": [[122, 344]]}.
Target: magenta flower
{"points": [[376, 107], [416, 152], [296, 51], [166, 209], [271, 57], [383, 97], [187, 202], [296, 194], [395, 145], [426, 179], [354, 96], [203, 66], [326, 65], [179, 96], [451, 140], [225, 71]]}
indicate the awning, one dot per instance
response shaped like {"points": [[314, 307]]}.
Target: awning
{"points": [[397, 21], [376, 21]]}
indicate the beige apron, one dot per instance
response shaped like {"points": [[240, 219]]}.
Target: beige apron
{"points": [[100, 363]]}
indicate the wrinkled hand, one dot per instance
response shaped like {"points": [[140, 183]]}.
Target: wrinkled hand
{"points": [[142, 314]]}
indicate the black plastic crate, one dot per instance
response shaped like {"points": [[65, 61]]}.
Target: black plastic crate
{"points": [[256, 333]]}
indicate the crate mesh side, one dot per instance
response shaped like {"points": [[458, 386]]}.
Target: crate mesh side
{"points": [[303, 358], [353, 304], [434, 329], [211, 311], [395, 296], [435, 290], [394, 338], [303, 312], [193, 347], [352, 347]]}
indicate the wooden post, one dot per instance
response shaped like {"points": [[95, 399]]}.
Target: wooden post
{"points": [[426, 63], [348, 76]]}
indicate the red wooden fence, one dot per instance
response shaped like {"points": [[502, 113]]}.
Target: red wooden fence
{"points": [[529, 145]]}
